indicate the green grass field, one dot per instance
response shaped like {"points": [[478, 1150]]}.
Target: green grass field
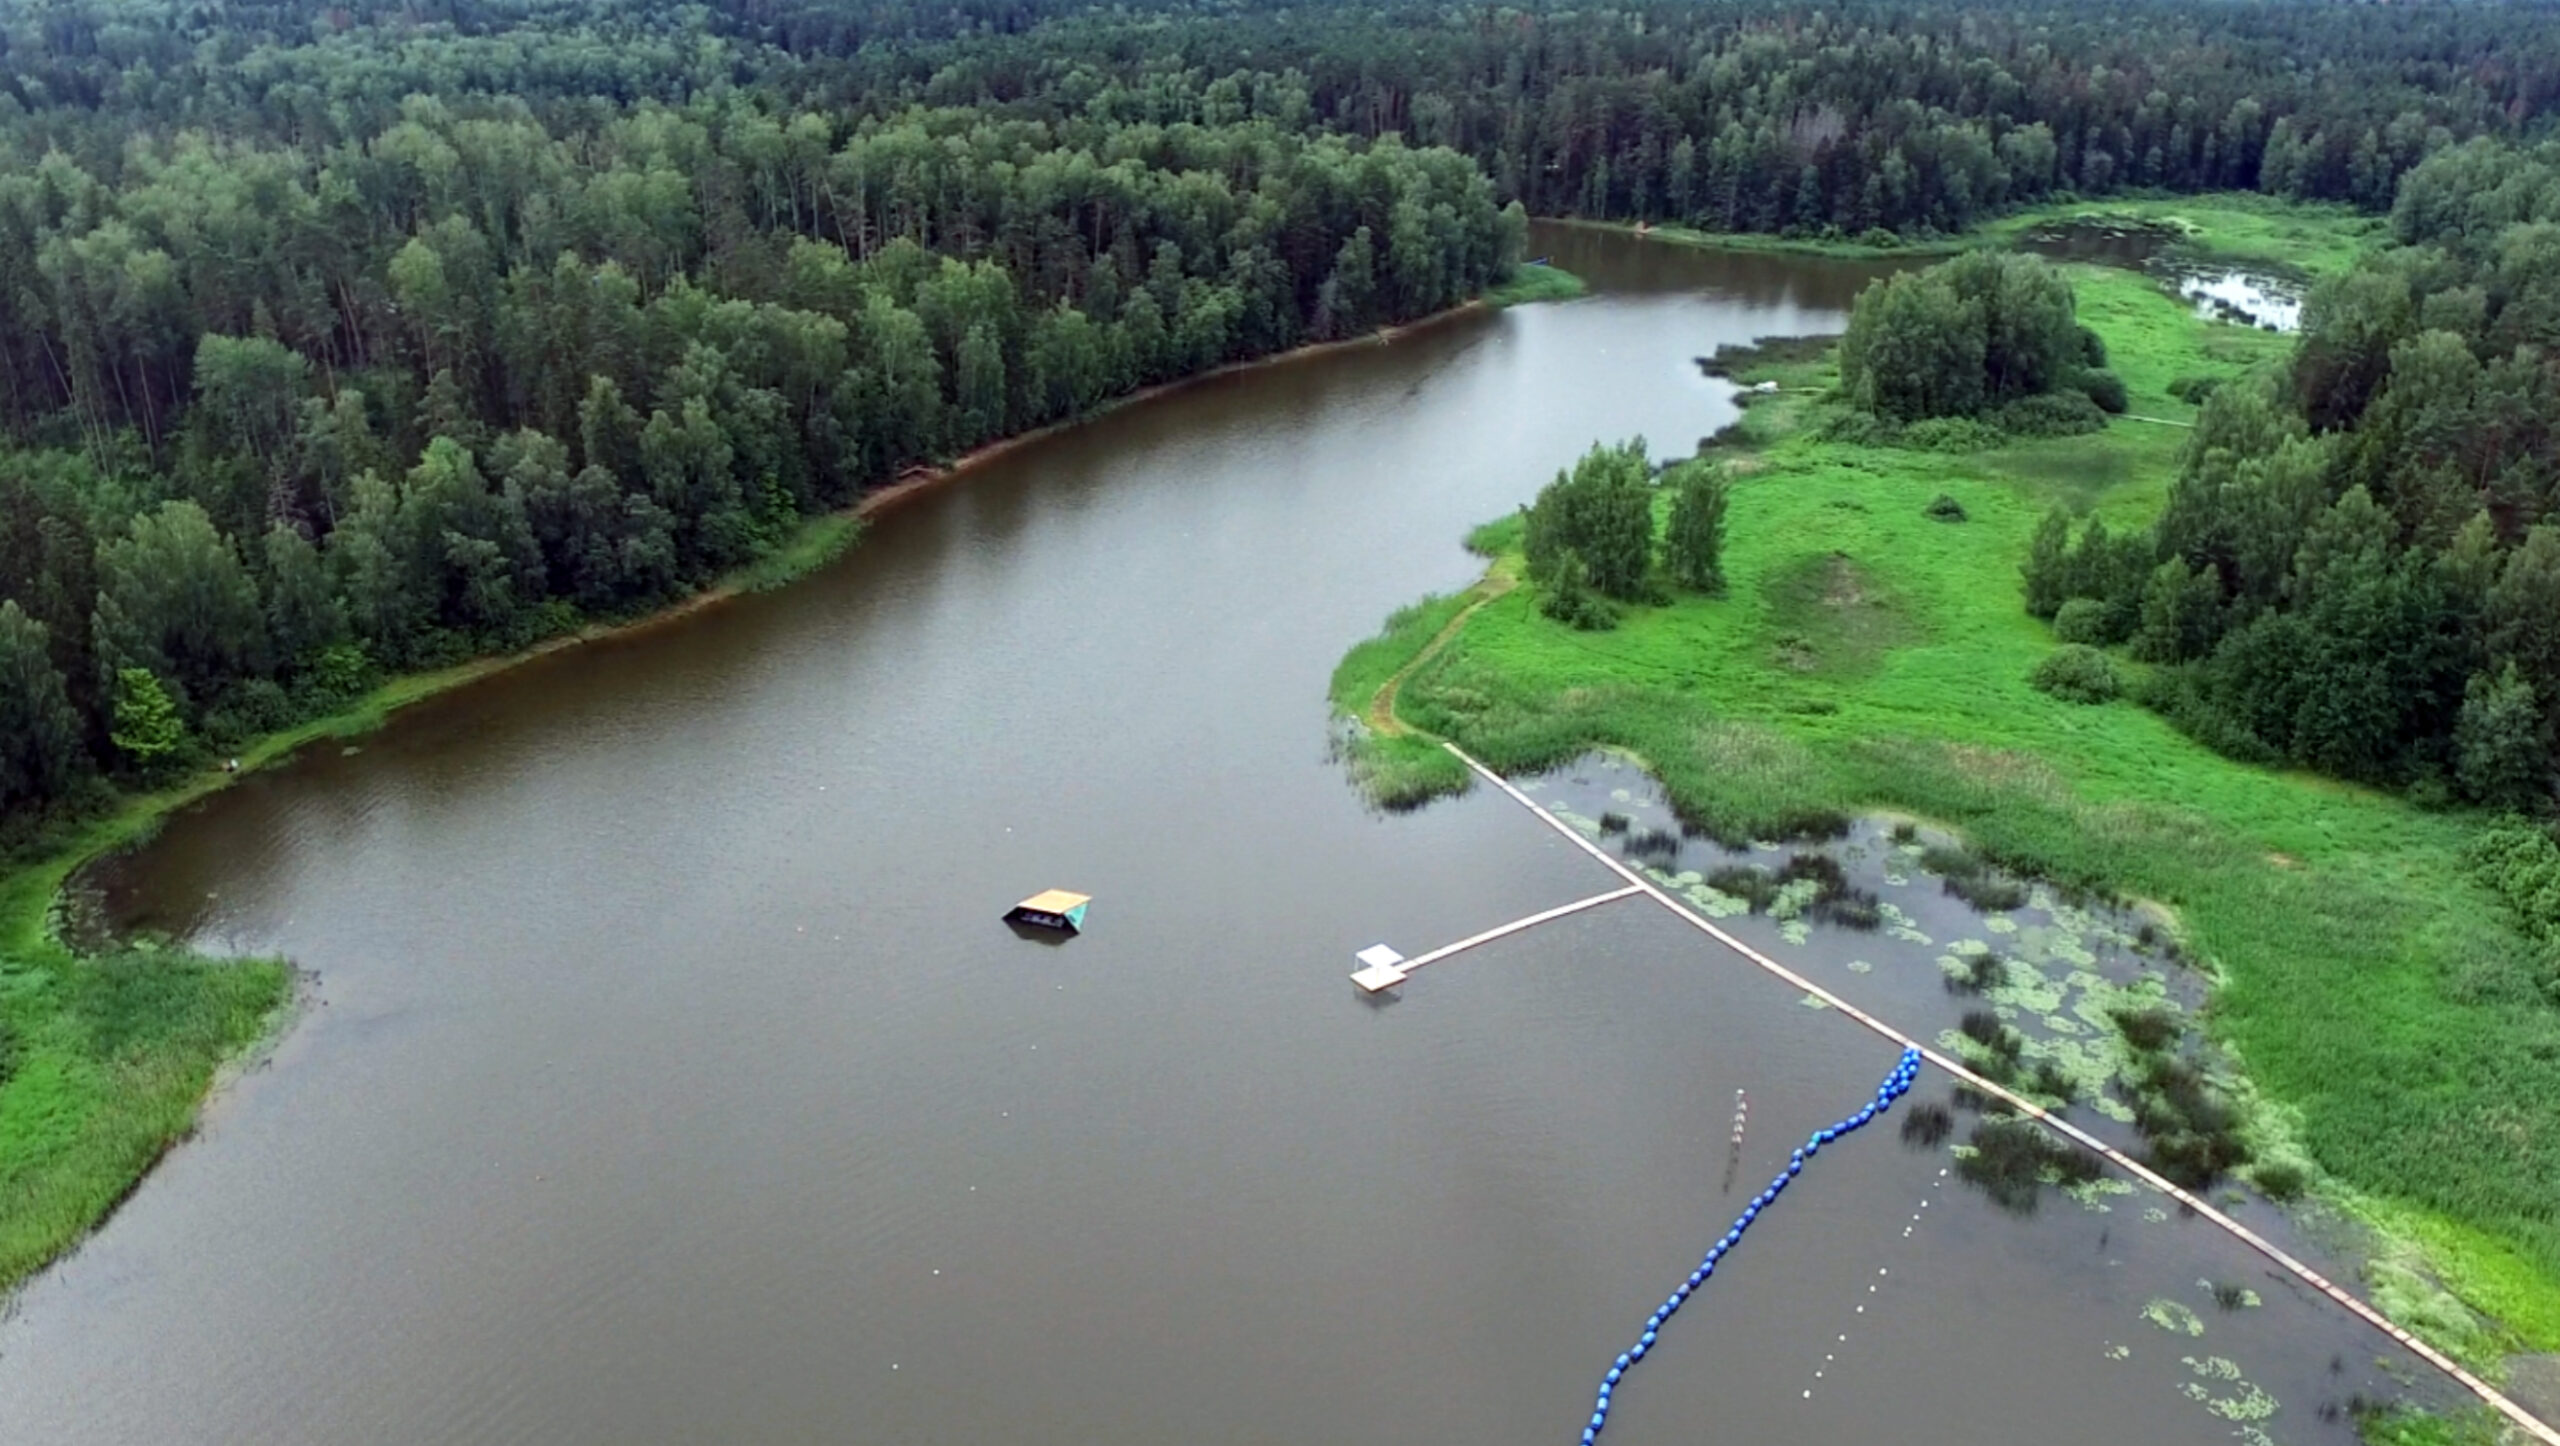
{"points": [[1869, 657], [2228, 225]]}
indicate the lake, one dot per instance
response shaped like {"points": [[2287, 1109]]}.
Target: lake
{"points": [[669, 1076]]}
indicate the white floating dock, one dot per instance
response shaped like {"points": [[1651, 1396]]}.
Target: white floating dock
{"points": [[1384, 968], [1378, 968]]}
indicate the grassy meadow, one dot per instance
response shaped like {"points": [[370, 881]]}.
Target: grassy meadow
{"points": [[1869, 656], [2239, 226]]}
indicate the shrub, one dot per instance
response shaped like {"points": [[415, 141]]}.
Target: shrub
{"points": [[1861, 429], [2102, 387], [2076, 674], [2081, 620], [2280, 1180], [1944, 509], [1571, 600], [2173, 694], [2146, 1030], [2194, 390], [2521, 865], [1949, 434], [2050, 414]]}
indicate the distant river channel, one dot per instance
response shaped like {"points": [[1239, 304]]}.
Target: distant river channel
{"points": [[670, 1078]]}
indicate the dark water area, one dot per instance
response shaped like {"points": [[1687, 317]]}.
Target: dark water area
{"points": [[671, 1078], [2220, 292]]}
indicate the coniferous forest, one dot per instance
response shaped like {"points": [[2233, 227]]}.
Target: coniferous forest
{"points": [[343, 340]]}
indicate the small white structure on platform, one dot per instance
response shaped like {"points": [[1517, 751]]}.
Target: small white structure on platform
{"points": [[1378, 969]]}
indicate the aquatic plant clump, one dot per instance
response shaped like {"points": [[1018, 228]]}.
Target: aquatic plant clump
{"points": [[2174, 1318], [2013, 1160], [2192, 1130], [1927, 1126], [1973, 880]]}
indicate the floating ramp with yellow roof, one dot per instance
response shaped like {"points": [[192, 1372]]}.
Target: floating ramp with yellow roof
{"points": [[1051, 909]]}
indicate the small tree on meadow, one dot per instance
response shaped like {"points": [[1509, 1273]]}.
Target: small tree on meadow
{"points": [[2048, 567], [1602, 511], [1693, 546]]}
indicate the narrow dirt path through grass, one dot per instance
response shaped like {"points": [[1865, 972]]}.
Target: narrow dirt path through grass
{"points": [[1380, 715]]}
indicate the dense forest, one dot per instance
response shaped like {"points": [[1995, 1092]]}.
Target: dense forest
{"points": [[2359, 564], [361, 337]]}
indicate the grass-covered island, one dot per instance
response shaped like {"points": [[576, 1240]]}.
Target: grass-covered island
{"points": [[1835, 619]]}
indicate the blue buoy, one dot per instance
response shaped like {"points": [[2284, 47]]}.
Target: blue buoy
{"points": [[1895, 1084]]}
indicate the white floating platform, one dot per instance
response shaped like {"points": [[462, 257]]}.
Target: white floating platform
{"points": [[1378, 969]]}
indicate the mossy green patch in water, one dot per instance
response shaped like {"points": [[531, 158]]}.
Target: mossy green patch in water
{"points": [[2172, 1317]]}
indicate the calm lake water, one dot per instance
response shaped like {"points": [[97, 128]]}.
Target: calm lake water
{"points": [[670, 1077]]}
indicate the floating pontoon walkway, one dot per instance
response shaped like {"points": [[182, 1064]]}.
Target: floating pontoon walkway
{"points": [[2524, 1420], [1383, 968]]}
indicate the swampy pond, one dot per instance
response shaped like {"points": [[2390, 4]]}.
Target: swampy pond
{"points": [[670, 1078], [2242, 295]]}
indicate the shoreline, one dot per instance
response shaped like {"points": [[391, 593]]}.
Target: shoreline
{"points": [[138, 815], [2092, 797], [32, 891]]}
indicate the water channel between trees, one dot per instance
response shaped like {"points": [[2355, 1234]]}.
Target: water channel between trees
{"points": [[670, 1076]]}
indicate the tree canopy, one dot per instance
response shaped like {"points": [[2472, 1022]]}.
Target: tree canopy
{"points": [[2358, 567], [345, 338], [1965, 338]]}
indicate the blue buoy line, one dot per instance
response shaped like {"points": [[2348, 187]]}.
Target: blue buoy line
{"points": [[1895, 1085]]}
